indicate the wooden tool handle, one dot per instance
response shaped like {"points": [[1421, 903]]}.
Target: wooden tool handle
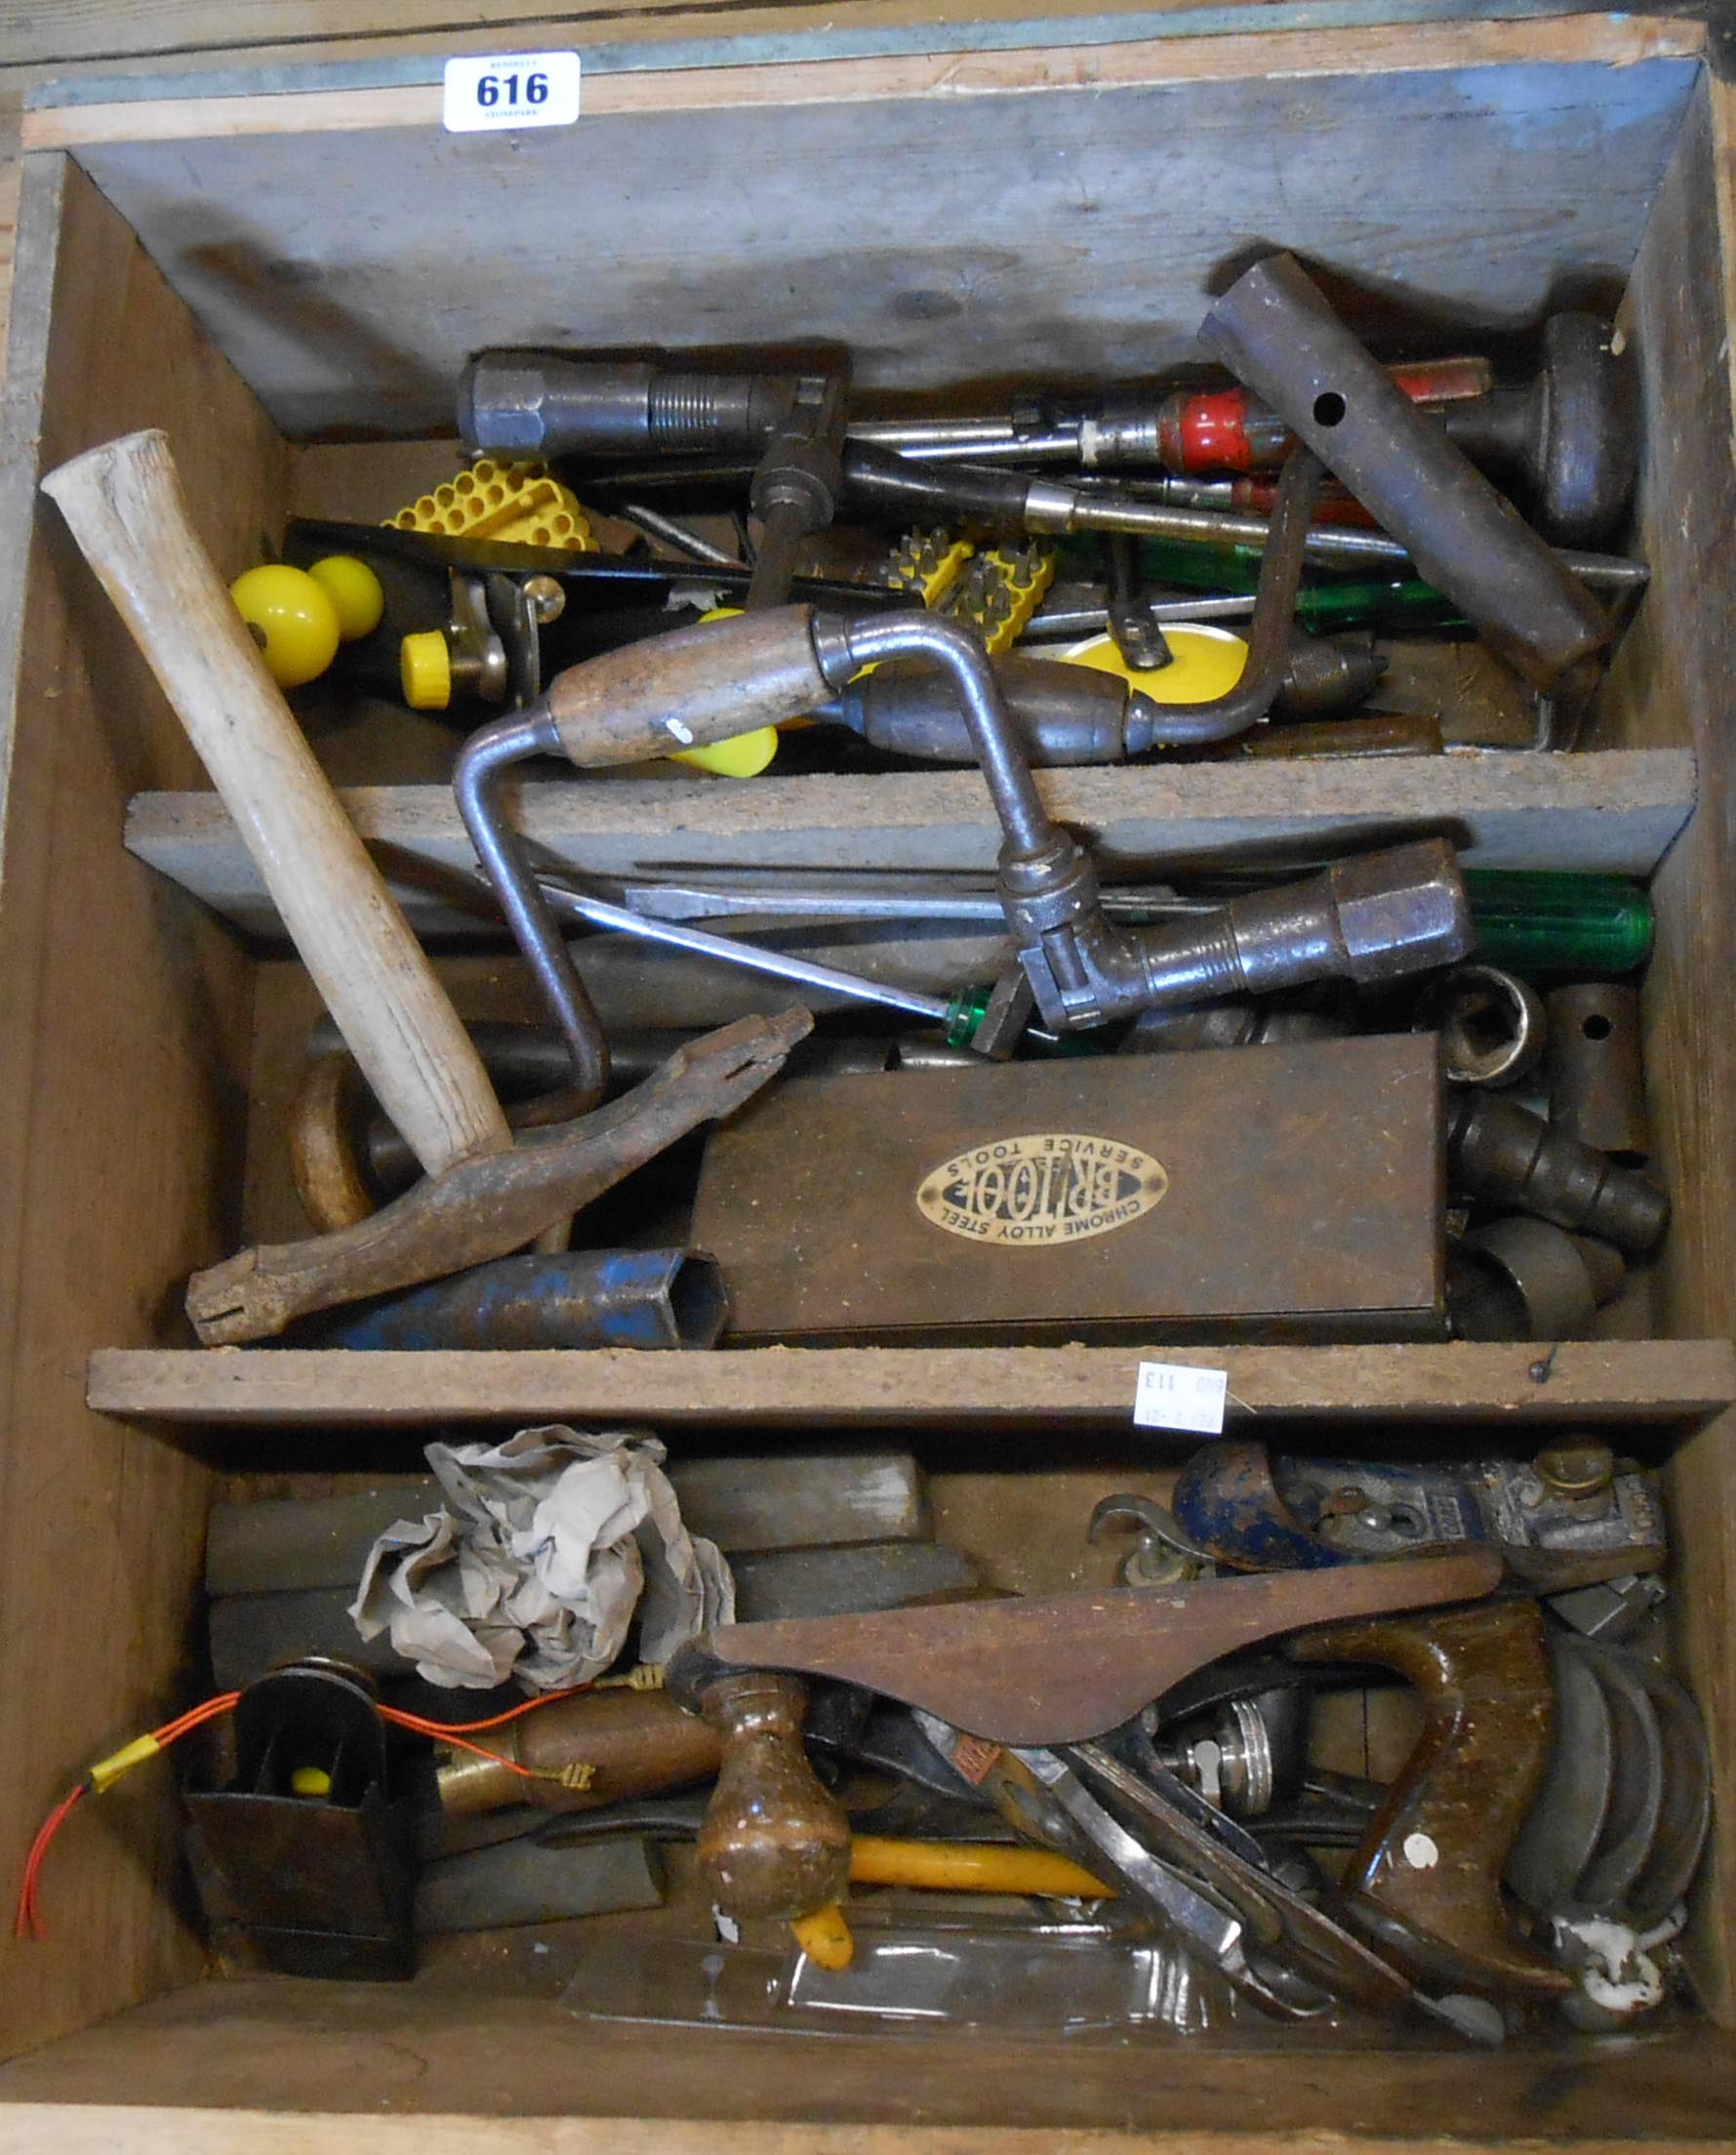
{"points": [[1434, 1854], [688, 689], [630, 1743], [774, 1842], [130, 517]]}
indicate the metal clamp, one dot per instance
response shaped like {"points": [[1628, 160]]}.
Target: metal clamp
{"points": [[1161, 1554]]}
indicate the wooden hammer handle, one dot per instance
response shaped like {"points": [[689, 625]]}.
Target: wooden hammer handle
{"points": [[126, 508]]}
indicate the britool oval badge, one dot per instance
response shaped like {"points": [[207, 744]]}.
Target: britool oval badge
{"points": [[1034, 1192]]}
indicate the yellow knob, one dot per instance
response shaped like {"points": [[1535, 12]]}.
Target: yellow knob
{"points": [[1204, 663], [741, 755], [424, 667], [355, 590], [310, 1780], [291, 619]]}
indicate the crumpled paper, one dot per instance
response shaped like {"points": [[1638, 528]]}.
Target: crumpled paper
{"points": [[537, 1562]]}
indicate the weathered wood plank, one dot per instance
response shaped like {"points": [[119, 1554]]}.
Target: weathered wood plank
{"points": [[1678, 315], [464, 2069], [84, 33], [1618, 812], [123, 2129], [352, 324], [1641, 1380]]}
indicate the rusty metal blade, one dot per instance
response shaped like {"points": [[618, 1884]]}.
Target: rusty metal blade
{"points": [[482, 1207], [1062, 1668]]}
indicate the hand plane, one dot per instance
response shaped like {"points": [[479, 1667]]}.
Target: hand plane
{"points": [[1023, 1671], [1566, 1519]]}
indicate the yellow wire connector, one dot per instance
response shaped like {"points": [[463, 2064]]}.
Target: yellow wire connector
{"points": [[644, 1676], [106, 1771]]}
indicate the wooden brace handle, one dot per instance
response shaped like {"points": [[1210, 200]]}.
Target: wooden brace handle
{"points": [[127, 511], [688, 688]]}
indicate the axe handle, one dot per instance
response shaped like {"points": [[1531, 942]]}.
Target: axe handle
{"points": [[126, 508]]}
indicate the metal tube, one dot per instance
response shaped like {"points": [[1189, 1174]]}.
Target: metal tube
{"points": [[801, 972], [475, 781], [989, 440], [1596, 1071], [676, 534], [1329, 546], [1277, 334], [1372, 918], [1062, 624], [637, 1299], [782, 531], [922, 898], [1501, 1153], [912, 635], [1065, 509], [525, 404], [914, 489]]}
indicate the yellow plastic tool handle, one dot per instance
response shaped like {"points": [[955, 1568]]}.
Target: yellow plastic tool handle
{"points": [[691, 687], [971, 1867], [741, 755], [945, 1866], [825, 1937]]}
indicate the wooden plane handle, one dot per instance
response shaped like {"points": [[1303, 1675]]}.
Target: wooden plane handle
{"points": [[1435, 1855]]}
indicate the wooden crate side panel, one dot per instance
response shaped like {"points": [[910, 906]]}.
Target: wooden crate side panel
{"points": [[121, 1057], [989, 221], [439, 2051], [1684, 282], [272, 35], [1671, 683], [129, 2129], [1701, 1476]]}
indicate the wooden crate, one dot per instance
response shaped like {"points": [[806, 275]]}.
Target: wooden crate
{"points": [[263, 274]]}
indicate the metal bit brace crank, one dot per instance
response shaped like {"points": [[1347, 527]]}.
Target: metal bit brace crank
{"points": [[1374, 918]]}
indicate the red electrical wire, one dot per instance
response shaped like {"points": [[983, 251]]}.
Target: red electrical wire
{"points": [[27, 1922], [475, 1728]]}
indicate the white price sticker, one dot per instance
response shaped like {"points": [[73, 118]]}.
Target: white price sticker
{"points": [[511, 90], [1171, 1396]]}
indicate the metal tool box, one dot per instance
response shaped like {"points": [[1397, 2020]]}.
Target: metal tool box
{"points": [[1261, 1194], [285, 272]]}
